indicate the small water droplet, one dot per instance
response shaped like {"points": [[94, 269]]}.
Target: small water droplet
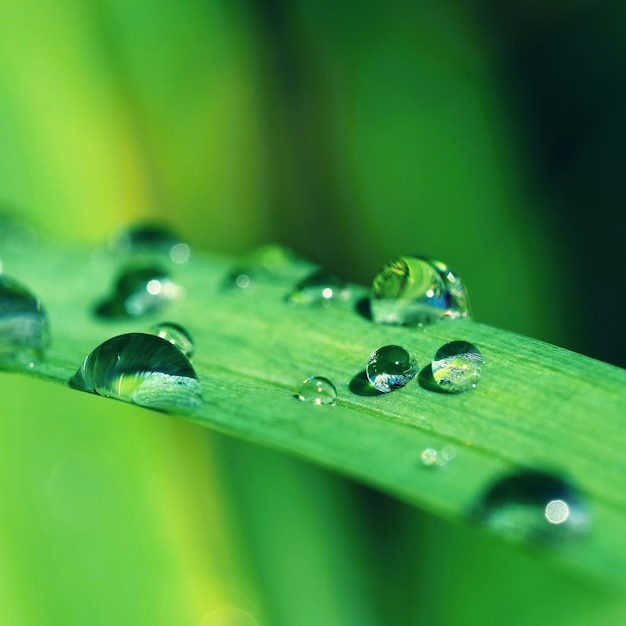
{"points": [[140, 290], [534, 506], [143, 369], [457, 366], [24, 334], [390, 367], [264, 264], [414, 290], [431, 456], [151, 240], [318, 390], [176, 335], [319, 288]]}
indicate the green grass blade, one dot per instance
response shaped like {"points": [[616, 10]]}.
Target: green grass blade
{"points": [[536, 405]]}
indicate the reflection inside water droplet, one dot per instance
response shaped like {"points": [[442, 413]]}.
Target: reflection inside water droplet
{"points": [[143, 369], [414, 290], [534, 506], [319, 289], [24, 333], [318, 390], [390, 367], [140, 290], [176, 335], [457, 366]]}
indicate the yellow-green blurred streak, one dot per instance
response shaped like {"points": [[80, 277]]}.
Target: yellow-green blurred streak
{"points": [[108, 518], [122, 110]]}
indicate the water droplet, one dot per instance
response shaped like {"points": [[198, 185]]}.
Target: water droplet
{"points": [[143, 369], [319, 288], [140, 290], [414, 290], [318, 390], [431, 456], [24, 333], [534, 506], [151, 240], [264, 264], [390, 367], [176, 335], [457, 366]]}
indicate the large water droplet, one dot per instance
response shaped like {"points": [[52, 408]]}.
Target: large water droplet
{"points": [[318, 390], [414, 290], [143, 369], [150, 240], [319, 289], [140, 290], [457, 366], [24, 333], [176, 335], [534, 506], [390, 367]]}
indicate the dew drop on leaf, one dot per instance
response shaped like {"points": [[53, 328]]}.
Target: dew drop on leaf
{"points": [[176, 334], [143, 369], [319, 289], [140, 290], [151, 241], [457, 366], [269, 263], [318, 390], [390, 367], [534, 506], [417, 291], [24, 334]]}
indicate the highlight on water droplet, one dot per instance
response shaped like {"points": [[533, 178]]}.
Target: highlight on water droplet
{"points": [[417, 291], [457, 366], [143, 369], [534, 506], [320, 288], [152, 241], [176, 334], [140, 290], [390, 367], [24, 334], [318, 390]]}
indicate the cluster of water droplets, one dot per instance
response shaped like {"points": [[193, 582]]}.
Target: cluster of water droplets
{"points": [[153, 369]]}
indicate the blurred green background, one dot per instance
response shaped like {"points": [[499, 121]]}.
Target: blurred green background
{"points": [[489, 135]]}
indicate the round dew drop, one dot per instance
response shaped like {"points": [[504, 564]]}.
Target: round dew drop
{"points": [[457, 366], [534, 506], [390, 367], [417, 291], [319, 289], [318, 390]]}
